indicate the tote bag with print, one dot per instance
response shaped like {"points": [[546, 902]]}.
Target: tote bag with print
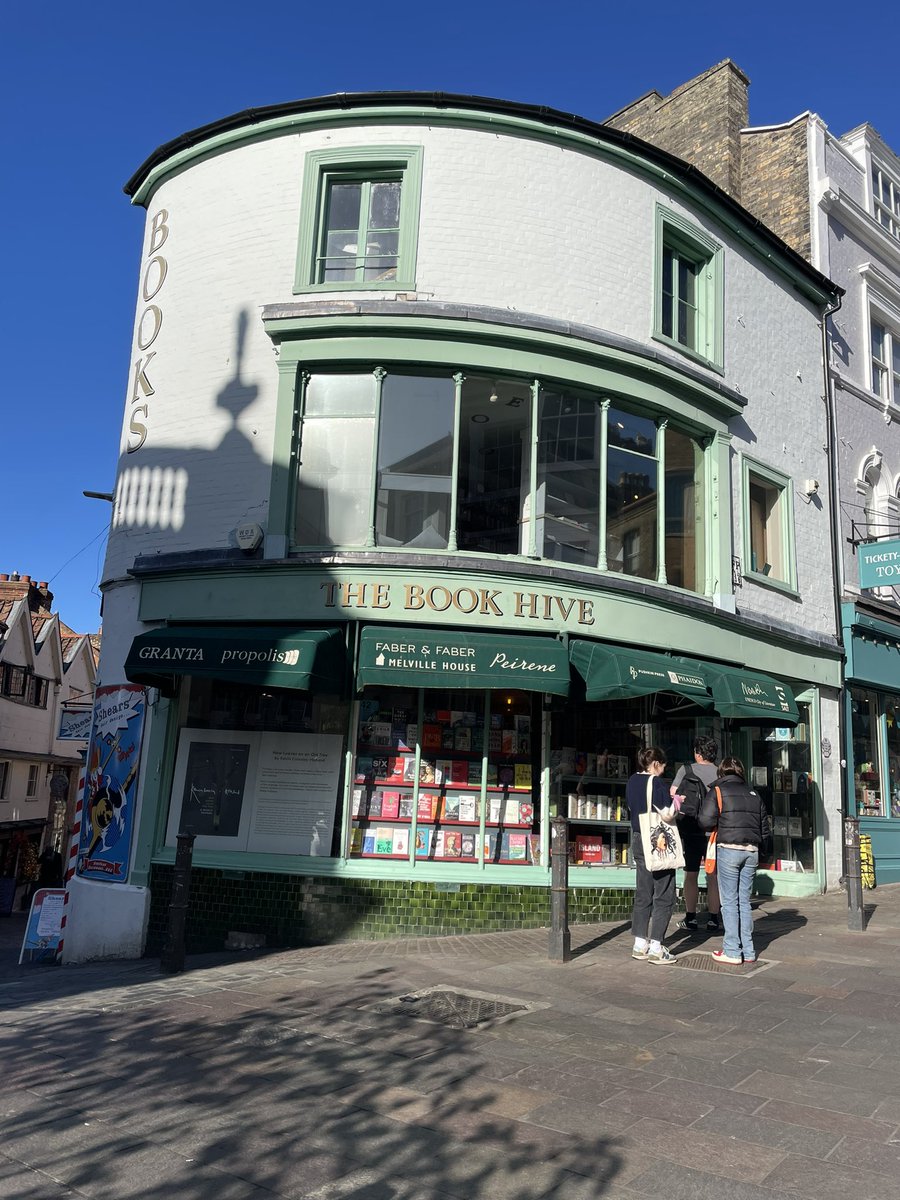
{"points": [[661, 841]]}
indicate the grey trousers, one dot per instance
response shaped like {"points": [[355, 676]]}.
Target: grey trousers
{"points": [[654, 897]]}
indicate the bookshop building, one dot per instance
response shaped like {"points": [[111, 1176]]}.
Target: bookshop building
{"points": [[435, 569]]}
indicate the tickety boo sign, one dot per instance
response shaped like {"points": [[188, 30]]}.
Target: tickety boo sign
{"points": [[879, 564]]}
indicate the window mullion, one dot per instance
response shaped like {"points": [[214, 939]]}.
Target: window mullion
{"points": [[458, 381], [602, 563], [661, 426], [379, 374], [362, 232], [532, 483]]}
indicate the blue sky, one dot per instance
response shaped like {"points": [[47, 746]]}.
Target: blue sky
{"points": [[88, 91]]}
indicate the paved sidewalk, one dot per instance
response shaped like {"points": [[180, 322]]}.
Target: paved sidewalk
{"points": [[294, 1074]]}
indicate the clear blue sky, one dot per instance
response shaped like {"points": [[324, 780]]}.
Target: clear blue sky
{"points": [[88, 91]]}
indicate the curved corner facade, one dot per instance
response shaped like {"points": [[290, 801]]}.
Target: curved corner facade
{"points": [[464, 452]]}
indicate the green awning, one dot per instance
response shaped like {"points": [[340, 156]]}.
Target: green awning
{"points": [[611, 672], [744, 695], [265, 655], [455, 658]]}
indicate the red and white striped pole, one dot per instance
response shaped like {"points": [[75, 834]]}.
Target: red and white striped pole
{"points": [[72, 857]]}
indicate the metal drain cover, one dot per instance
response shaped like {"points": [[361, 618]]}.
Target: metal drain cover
{"points": [[701, 961], [456, 1009]]}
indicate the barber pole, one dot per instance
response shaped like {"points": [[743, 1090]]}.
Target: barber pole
{"points": [[71, 859]]}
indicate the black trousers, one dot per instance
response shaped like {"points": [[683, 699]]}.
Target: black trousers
{"points": [[654, 897]]}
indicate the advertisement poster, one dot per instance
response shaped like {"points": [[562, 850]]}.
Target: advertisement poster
{"points": [[274, 793], [44, 929], [113, 758]]}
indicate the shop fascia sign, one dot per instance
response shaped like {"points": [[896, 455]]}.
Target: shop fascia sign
{"points": [[362, 597], [879, 564]]}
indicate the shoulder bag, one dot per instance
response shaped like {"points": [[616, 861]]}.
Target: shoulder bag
{"points": [[709, 866], [661, 840]]}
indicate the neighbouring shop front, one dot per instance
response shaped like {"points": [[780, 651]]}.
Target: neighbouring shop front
{"points": [[873, 727]]}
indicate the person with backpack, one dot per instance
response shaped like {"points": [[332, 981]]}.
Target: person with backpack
{"points": [[739, 816], [691, 783]]}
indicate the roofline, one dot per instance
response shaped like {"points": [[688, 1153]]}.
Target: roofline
{"points": [[539, 114]]}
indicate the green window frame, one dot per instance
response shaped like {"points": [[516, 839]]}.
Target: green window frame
{"points": [[689, 294], [374, 266], [768, 527]]}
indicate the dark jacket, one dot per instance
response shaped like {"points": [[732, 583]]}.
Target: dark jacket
{"points": [[636, 796], [743, 818]]}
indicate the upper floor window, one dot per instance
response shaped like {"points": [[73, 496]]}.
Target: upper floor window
{"points": [[4, 777], [885, 362], [768, 526], [21, 684], [886, 199], [32, 786], [359, 218], [498, 466], [688, 308]]}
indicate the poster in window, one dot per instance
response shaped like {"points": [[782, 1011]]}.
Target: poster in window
{"points": [[214, 784]]}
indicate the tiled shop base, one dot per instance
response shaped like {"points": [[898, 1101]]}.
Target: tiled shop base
{"points": [[291, 910]]}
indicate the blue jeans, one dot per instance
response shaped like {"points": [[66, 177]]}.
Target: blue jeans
{"points": [[736, 870]]}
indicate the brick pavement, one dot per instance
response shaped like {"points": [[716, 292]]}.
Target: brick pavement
{"points": [[286, 1075]]}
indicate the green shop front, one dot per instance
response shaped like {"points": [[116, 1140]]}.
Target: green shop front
{"points": [[872, 721], [390, 765]]}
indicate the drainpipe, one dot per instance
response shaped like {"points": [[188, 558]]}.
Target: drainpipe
{"points": [[837, 573]]}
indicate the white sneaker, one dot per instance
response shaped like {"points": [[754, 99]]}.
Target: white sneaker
{"points": [[663, 957]]}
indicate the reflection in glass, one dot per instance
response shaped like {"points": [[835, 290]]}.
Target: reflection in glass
{"points": [[360, 233], [495, 432], [685, 567], [335, 482], [415, 461], [631, 495], [568, 482]]}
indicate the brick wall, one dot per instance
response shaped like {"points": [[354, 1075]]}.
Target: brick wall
{"points": [[775, 182], [700, 121]]}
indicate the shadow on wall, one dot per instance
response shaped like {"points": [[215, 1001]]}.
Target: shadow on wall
{"points": [[179, 490]]}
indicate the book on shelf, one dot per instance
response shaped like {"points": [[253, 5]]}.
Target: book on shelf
{"points": [[522, 722], [588, 848], [423, 841], [795, 827], [495, 741], [580, 762], [474, 774], [523, 775], [509, 743], [356, 840], [491, 775], [381, 767], [438, 839], [463, 737], [411, 737], [369, 842], [406, 804], [365, 770], [468, 808], [494, 808], [490, 846], [400, 716], [506, 775], [534, 847], [526, 812], [779, 826], [467, 845], [368, 711], [409, 770], [379, 733], [448, 738], [427, 806], [524, 743], [442, 767], [384, 839], [431, 737], [375, 803], [517, 847], [429, 773], [511, 812], [401, 840], [358, 802], [396, 765], [759, 776], [452, 843], [390, 804], [459, 771], [451, 808]]}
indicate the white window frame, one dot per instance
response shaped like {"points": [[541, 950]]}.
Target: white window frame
{"points": [[31, 787]]}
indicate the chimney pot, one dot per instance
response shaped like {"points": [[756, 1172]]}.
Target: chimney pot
{"points": [[4, 578]]}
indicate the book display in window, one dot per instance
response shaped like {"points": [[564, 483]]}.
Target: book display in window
{"points": [[780, 772], [461, 793]]}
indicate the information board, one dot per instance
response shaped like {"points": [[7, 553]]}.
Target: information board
{"points": [[43, 932]]}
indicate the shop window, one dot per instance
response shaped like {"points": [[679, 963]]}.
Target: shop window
{"points": [[886, 199], [446, 776], [781, 771], [866, 734], [258, 769], [768, 526], [379, 462], [632, 495], [689, 292], [359, 219], [31, 786], [892, 743]]}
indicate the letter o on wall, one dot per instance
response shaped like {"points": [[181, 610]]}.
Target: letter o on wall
{"points": [[147, 290], [147, 334]]}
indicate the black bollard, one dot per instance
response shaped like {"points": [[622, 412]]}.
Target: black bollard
{"points": [[560, 939], [172, 959], [856, 913]]}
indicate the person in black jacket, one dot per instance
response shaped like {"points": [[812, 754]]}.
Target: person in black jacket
{"points": [[743, 826], [654, 891]]}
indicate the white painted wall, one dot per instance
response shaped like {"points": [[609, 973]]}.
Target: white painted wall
{"points": [[102, 924]]}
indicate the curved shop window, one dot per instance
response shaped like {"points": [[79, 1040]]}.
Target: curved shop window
{"points": [[500, 466]]}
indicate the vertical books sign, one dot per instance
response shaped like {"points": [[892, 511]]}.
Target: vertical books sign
{"points": [[104, 846]]}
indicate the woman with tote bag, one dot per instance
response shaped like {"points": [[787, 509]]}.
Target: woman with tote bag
{"points": [[654, 894]]}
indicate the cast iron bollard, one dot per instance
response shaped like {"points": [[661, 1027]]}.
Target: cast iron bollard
{"points": [[560, 939], [172, 959], [856, 913]]}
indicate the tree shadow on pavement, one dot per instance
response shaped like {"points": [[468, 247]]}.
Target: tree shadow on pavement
{"points": [[279, 1083]]}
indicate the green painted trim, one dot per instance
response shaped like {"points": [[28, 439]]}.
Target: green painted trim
{"points": [[673, 230], [157, 746], [501, 349], [602, 553], [318, 166], [778, 480], [720, 517], [494, 123], [661, 425], [458, 381], [279, 525]]}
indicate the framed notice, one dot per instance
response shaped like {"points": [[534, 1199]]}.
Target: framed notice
{"points": [[271, 793]]}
